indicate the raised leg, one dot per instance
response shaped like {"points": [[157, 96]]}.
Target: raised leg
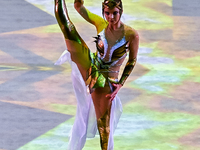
{"points": [[80, 52], [67, 27]]}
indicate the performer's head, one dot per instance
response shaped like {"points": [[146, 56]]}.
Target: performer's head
{"points": [[112, 10]]}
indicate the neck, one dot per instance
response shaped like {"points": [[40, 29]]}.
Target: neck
{"points": [[115, 26]]}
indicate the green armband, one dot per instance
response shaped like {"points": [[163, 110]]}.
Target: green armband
{"points": [[127, 71]]}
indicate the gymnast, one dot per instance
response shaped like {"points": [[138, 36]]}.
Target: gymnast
{"points": [[98, 71]]}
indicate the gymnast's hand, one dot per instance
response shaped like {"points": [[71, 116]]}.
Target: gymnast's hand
{"points": [[116, 88]]}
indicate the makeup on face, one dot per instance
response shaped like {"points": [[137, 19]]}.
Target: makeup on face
{"points": [[112, 15]]}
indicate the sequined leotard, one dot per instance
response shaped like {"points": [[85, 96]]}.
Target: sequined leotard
{"points": [[106, 64]]}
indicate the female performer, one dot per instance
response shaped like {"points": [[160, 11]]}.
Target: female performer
{"points": [[98, 71]]}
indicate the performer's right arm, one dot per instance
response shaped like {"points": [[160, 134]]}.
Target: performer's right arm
{"points": [[92, 18]]}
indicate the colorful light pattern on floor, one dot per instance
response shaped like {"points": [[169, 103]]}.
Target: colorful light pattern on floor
{"points": [[163, 115]]}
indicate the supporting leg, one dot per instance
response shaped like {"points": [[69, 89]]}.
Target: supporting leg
{"points": [[103, 124], [102, 106]]}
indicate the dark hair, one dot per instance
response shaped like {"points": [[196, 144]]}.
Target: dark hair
{"points": [[111, 4]]}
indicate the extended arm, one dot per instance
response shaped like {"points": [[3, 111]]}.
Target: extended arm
{"points": [[92, 18], [127, 70], [133, 50]]}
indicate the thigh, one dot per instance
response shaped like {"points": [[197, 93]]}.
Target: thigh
{"points": [[101, 102], [80, 54]]}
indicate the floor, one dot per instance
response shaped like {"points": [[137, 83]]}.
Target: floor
{"points": [[161, 98]]}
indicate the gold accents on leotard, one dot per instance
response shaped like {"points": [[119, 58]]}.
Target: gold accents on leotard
{"points": [[67, 27], [127, 70], [103, 124]]}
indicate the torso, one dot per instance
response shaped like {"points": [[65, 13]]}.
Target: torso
{"points": [[112, 49], [114, 36]]}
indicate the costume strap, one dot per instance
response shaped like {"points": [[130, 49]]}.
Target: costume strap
{"points": [[127, 70]]}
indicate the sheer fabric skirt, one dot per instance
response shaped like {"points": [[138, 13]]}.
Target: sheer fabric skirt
{"points": [[85, 125]]}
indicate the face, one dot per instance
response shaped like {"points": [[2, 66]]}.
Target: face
{"points": [[112, 15]]}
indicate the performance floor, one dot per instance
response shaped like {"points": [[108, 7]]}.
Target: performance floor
{"points": [[161, 99]]}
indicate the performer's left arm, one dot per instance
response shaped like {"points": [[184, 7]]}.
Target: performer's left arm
{"points": [[92, 18], [133, 50]]}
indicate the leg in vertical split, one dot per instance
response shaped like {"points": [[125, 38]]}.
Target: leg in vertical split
{"points": [[80, 53]]}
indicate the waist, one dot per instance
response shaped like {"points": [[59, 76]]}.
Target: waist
{"points": [[106, 66]]}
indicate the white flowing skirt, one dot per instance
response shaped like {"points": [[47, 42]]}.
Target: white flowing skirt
{"points": [[85, 125]]}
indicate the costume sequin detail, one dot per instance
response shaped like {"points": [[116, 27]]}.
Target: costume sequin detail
{"points": [[99, 65]]}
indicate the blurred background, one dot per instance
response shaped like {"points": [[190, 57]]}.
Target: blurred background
{"points": [[161, 98]]}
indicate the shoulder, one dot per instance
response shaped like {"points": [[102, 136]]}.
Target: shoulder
{"points": [[130, 33], [101, 26], [132, 37]]}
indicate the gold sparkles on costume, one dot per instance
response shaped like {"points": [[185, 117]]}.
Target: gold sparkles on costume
{"points": [[103, 71]]}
